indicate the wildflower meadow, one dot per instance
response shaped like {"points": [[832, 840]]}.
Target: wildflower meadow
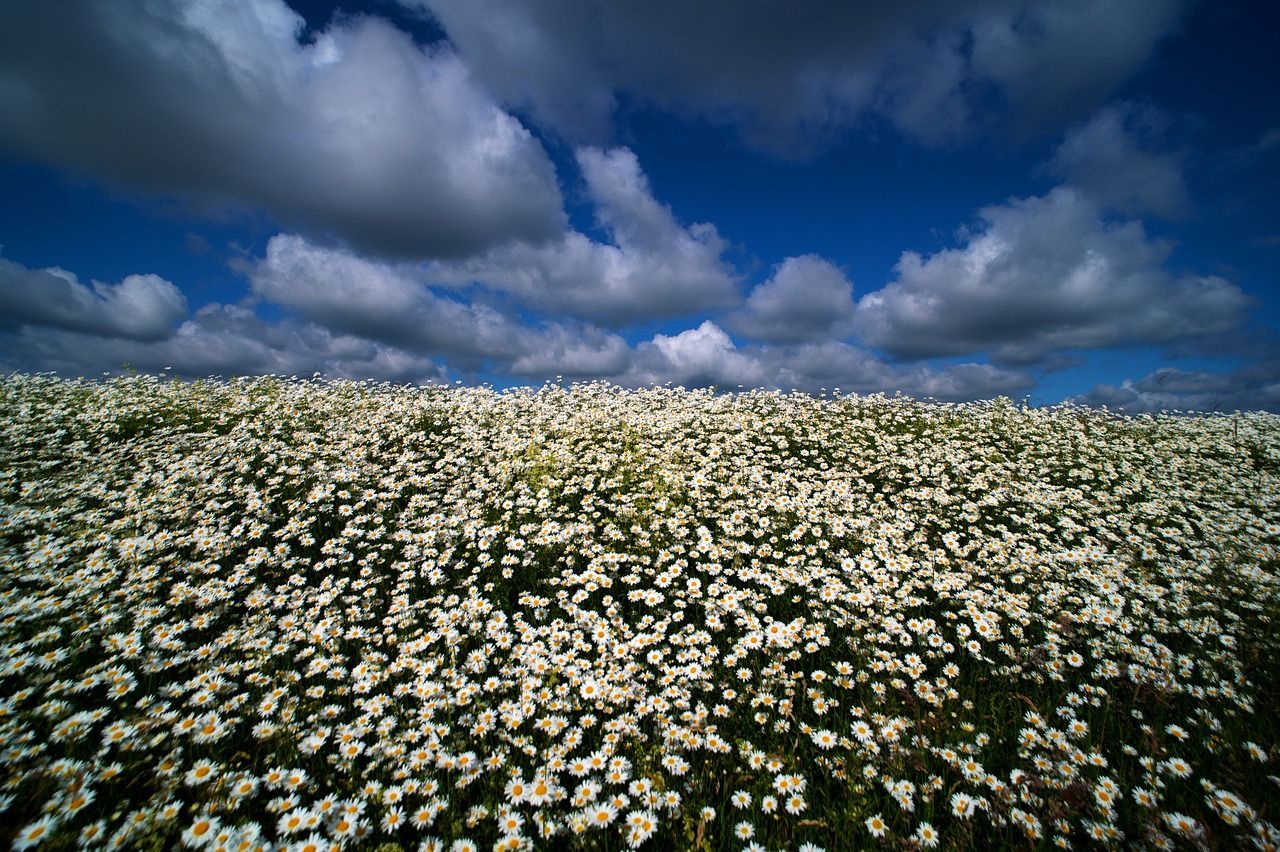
{"points": [[306, 614]]}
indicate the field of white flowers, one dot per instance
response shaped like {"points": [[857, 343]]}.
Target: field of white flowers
{"points": [[270, 614]]}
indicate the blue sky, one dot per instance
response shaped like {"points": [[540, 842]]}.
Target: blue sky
{"points": [[1051, 201]]}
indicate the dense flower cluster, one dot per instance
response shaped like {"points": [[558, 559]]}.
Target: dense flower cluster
{"points": [[300, 614]]}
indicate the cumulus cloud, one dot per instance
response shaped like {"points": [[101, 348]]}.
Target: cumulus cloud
{"points": [[653, 266], [1045, 275], [52, 322], [851, 368], [141, 307], [218, 340], [232, 340], [789, 79], [344, 316], [1255, 387], [348, 316], [374, 300], [696, 357], [392, 304], [806, 298], [1109, 159], [357, 133], [707, 356], [800, 307], [572, 351]]}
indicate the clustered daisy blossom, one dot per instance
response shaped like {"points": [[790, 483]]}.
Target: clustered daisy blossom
{"points": [[284, 614]]}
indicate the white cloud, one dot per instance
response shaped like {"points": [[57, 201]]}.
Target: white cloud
{"points": [[230, 340], [1045, 275], [695, 357], [1255, 387], [852, 368], [142, 307], [345, 316], [806, 298], [706, 355], [653, 266], [359, 133], [348, 316], [392, 304], [221, 340], [789, 80], [52, 322], [1108, 158], [573, 352], [379, 301]]}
